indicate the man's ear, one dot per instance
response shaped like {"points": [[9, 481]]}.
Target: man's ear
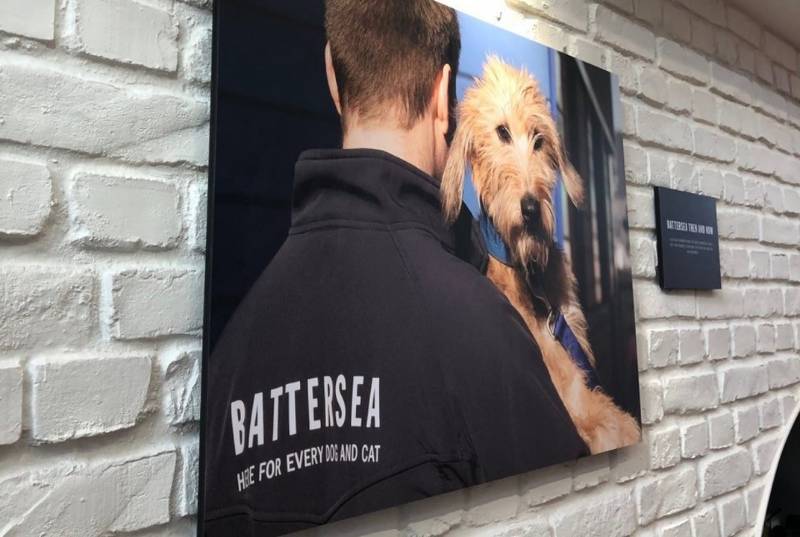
{"points": [[330, 73], [443, 96]]}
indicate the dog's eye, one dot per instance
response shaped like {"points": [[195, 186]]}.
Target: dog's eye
{"points": [[538, 141], [503, 134]]}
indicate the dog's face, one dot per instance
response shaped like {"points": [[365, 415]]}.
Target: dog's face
{"points": [[507, 135]]}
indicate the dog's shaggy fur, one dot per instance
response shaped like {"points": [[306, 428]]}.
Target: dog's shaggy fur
{"points": [[508, 137]]}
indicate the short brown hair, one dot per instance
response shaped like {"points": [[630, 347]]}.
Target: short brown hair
{"points": [[390, 52]]}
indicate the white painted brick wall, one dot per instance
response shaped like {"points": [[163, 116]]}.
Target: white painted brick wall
{"points": [[104, 117]]}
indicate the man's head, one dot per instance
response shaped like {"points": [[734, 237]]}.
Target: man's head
{"points": [[392, 64]]}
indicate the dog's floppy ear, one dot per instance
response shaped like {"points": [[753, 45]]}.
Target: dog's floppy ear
{"points": [[572, 182], [453, 177], [569, 176]]}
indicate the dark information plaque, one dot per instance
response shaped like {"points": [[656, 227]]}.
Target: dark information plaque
{"points": [[688, 243]]}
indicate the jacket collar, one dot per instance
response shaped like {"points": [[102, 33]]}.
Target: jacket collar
{"points": [[367, 186]]}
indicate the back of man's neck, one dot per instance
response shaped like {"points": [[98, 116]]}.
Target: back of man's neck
{"points": [[408, 145]]}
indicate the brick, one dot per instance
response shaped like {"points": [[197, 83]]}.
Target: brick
{"points": [[549, 34], [197, 55], [665, 447], [726, 47], [492, 503], [724, 473], [704, 106], [746, 57], [752, 499], [784, 337], [735, 224], [622, 5], [128, 32], [660, 172], [731, 84], [762, 302], [649, 11], [591, 471], [664, 345], [610, 514], [765, 452], [734, 262], [73, 396], [794, 267], [635, 163], [176, 295], [652, 303], [29, 320], [746, 421], [725, 303], [112, 496], [732, 515], [703, 36], [26, 197], [753, 192], [679, 96], [181, 387], [773, 197], [766, 339], [652, 84], [718, 342], [666, 495], [783, 372], [10, 401], [692, 347], [572, 13], [750, 158], [792, 301], [651, 402], [149, 218], [759, 264], [779, 266], [764, 68], [711, 182], [663, 130], [704, 523], [780, 51], [694, 438], [710, 144], [744, 340], [643, 257], [712, 10], [770, 413], [683, 175], [187, 486], [691, 393], [682, 528], [682, 62], [30, 18], [545, 485], [721, 430], [782, 231], [740, 382], [120, 116], [677, 23], [617, 31], [734, 188], [641, 209], [630, 462], [198, 216], [781, 78], [744, 26]]}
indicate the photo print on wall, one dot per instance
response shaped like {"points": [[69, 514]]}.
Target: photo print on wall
{"points": [[419, 275]]}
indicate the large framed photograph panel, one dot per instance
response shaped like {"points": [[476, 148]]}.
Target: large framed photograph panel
{"points": [[362, 348]]}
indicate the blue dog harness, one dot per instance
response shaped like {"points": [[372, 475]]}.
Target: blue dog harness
{"points": [[498, 249]]}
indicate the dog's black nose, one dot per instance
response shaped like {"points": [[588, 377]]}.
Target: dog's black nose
{"points": [[530, 209]]}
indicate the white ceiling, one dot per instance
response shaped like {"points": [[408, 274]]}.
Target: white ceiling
{"points": [[781, 17]]}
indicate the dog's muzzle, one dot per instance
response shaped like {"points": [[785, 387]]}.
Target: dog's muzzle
{"points": [[529, 206]]}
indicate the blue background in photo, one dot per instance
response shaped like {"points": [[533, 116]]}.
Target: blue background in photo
{"points": [[479, 40]]}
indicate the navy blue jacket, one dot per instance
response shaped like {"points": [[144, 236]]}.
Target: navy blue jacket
{"points": [[372, 363]]}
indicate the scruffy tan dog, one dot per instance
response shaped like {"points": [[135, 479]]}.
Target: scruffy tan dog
{"points": [[508, 137]]}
